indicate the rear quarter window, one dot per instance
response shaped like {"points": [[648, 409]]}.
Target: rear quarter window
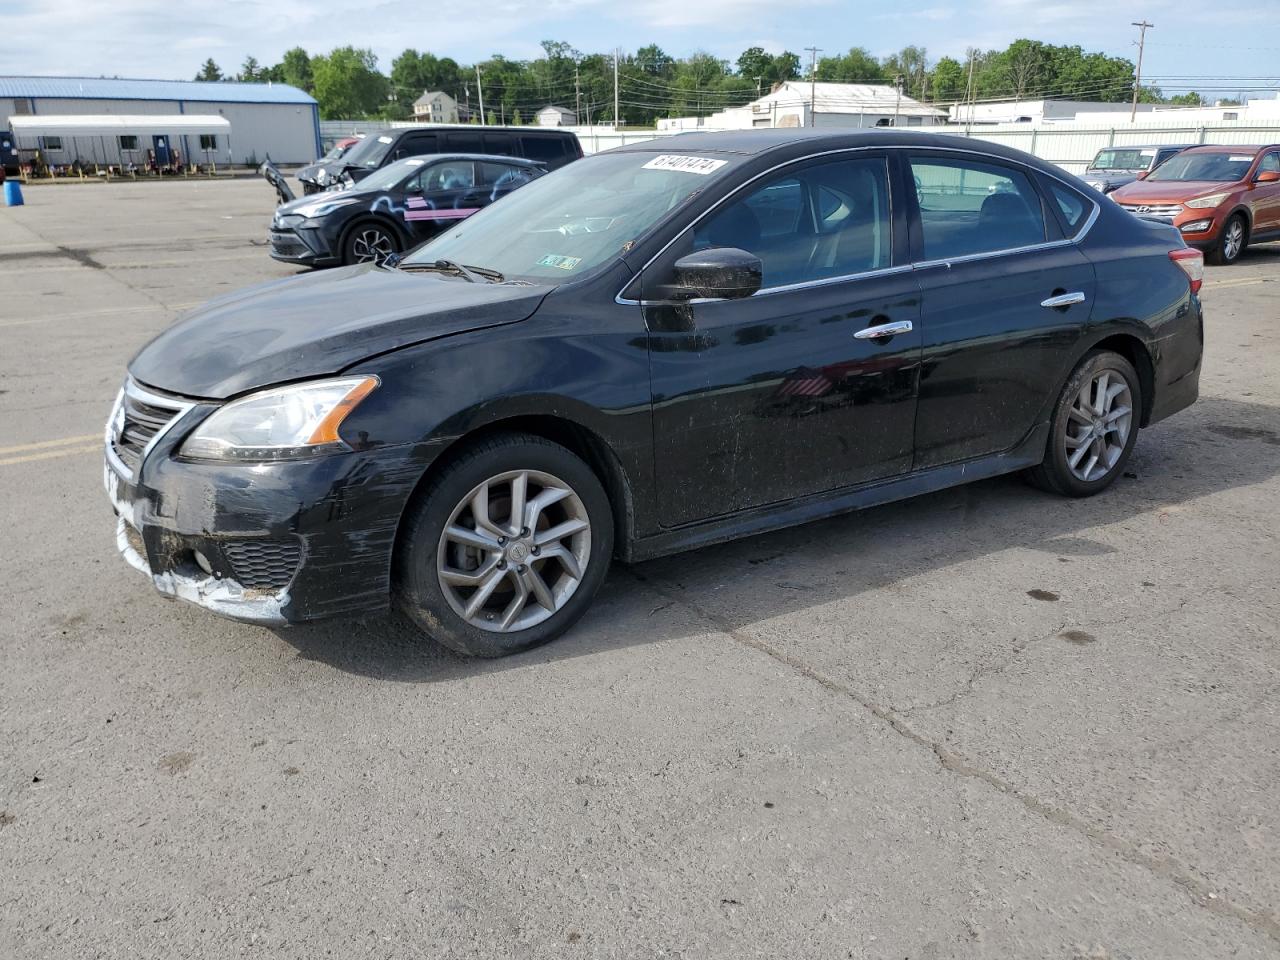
{"points": [[1072, 208]]}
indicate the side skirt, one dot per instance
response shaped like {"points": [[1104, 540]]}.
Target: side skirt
{"points": [[748, 523]]}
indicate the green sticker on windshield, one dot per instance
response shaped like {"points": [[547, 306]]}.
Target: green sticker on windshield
{"points": [[560, 263]]}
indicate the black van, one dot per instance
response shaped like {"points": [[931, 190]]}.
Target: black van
{"points": [[551, 148]]}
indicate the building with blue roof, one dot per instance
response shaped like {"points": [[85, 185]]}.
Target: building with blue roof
{"points": [[266, 119]]}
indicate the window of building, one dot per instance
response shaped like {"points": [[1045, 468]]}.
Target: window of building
{"points": [[969, 207], [827, 220], [208, 141], [915, 121], [128, 141], [51, 143]]}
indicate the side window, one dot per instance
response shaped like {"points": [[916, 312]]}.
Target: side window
{"points": [[449, 175], [415, 146], [824, 221], [502, 144], [466, 143], [969, 207], [501, 179], [1073, 207], [543, 149], [1271, 162]]}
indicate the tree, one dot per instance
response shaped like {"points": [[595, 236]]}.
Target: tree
{"points": [[909, 63], [210, 72], [295, 69], [948, 80], [250, 72], [856, 66], [766, 70], [1190, 99], [348, 84]]}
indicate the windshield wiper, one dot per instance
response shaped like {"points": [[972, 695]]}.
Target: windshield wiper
{"points": [[470, 274]]}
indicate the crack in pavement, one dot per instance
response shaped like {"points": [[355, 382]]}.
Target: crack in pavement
{"points": [[1166, 868]]}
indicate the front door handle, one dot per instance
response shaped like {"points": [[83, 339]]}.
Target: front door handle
{"points": [[884, 330], [1063, 300]]}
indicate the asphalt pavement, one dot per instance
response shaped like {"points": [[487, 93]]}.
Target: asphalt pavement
{"points": [[983, 723]]}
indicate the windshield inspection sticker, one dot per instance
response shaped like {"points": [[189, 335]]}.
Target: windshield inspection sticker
{"points": [[384, 139], [1239, 159], [560, 263], [698, 165]]}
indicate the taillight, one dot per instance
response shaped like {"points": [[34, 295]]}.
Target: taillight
{"points": [[1191, 261]]}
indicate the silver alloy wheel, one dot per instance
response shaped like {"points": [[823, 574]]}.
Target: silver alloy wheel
{"points": [[1234, 239], [514, 551], [1102, 416], [372, 244]]}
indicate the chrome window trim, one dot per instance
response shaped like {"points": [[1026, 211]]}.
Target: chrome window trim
{"points": [[885, 271], [133, 389]]}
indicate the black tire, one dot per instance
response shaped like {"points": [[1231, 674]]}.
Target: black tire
{"points": [[360, 236], [1223, 253], [1055, 473], [417, 582]]}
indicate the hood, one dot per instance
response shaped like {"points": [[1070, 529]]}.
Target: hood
{"points": [[317, 324], [327, 196], [1169, 191], [311, 171], [1110, 180]]}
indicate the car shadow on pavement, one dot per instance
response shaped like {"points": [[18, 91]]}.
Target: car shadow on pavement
{"points": [[1217, 445]]}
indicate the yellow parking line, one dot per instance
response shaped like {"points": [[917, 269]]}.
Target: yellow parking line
{"points": [[50, 454], [43, 444]]}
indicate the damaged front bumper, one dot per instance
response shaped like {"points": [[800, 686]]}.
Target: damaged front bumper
{"points": [[267, 543]]}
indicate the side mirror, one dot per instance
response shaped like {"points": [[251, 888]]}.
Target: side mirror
{"points": [[1268, 176], [724, 272], [1142, 174]]}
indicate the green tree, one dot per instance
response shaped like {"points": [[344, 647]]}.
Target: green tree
{"points": [[250, 71], [856, 66], [1190, 99], [295, 69], [210, 72], [911, 64], [348, 84], [948, 80]]}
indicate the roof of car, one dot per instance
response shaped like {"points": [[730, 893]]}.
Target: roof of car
{"points": [[490, 157], [1230, 148], [755, 142]]}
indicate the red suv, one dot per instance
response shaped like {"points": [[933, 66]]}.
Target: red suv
{"points": [[1221, 198]]}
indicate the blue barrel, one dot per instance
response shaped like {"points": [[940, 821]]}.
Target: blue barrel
{"points": [[12, 193]]}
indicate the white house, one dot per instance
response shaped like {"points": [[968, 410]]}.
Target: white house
{"points": [[553, 116], [435, 106], [797, 103]]}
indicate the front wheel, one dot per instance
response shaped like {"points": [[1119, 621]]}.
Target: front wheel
{"points": [[506, 548], [369, 242], [1094, 427], [1231, 243]]}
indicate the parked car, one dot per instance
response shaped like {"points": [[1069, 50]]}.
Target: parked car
{"points": [[661, 347], [552, 148], [1113, 167], [1221, 198], [393, 209]]}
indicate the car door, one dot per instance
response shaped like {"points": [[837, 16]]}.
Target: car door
{"points": [[787, 393], [1265, 197], [1004, 297], [441, 194]]}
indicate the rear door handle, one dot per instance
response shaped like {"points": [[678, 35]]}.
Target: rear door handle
{"points": [[1063, 300], [884, 330]]}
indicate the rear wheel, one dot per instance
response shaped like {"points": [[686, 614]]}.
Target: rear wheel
{"points": [[369, 242], [506, 548], [1094, 427], [1235, 235]]}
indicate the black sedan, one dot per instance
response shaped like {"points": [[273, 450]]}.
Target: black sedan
{"points": [[393, 209], [660, 347]]}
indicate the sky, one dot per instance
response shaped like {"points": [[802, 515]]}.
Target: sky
{"points": [[147, 38]]}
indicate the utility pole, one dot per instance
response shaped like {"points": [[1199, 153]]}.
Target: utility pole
{"points": [[813, 81], [577, 96], [615, 87], [759, 81], [968, 92], [1142, 26], [897, 107], [480, 94]]}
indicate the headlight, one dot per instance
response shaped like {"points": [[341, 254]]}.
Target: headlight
{"points": [[288, 219], [280, 424], [1202, 203]]}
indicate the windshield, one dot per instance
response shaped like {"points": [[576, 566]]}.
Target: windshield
{"points": [[390, 176], [560, 226], [369, 151], [1224, 167], [1122, 160]]}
